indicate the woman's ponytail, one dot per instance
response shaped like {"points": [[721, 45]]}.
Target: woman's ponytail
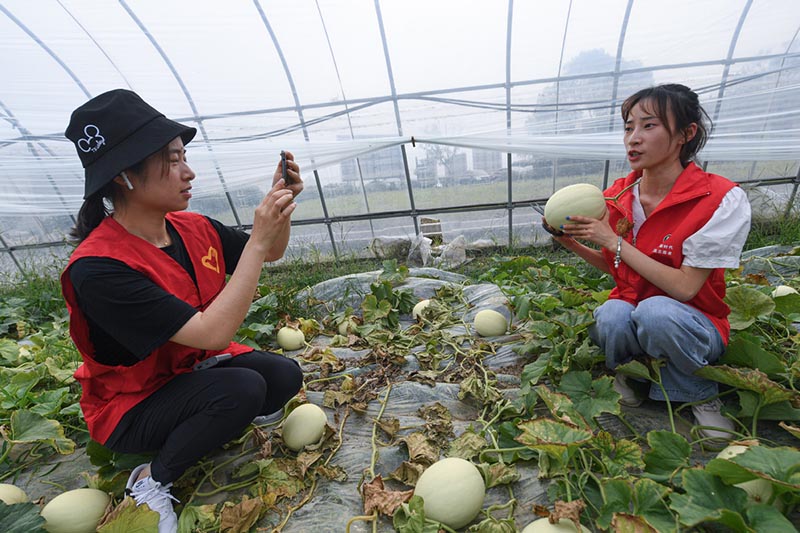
{"points": [[92, 212]]}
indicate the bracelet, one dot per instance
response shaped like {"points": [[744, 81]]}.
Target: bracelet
{"points": [[617, 257]]}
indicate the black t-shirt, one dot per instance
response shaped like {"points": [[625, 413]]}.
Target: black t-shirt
{"points": [[129, 316]]}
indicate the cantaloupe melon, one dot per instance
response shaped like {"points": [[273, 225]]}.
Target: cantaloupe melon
{"points": [[291, 338], [783, 290], [581, 199], [453, 491], [305, 425], [417, 311], [11, 494], [490, 323], [75, 511], [543, 525]]}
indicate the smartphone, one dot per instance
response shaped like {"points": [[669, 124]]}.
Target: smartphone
{"points": [[284, 169], [214, 360]]}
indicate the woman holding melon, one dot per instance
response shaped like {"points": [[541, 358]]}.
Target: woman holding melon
{"points": [[666, 239], [151, 311]]}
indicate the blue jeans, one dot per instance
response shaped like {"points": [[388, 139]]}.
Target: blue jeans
{"points": [[663, 328]]}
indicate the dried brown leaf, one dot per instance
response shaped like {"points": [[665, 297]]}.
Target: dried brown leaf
{"points": [[241, 517], [629, 523], [377, 498], [569, 510]]}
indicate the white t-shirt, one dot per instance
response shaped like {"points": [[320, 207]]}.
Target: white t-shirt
{"points": [[719, 243]]}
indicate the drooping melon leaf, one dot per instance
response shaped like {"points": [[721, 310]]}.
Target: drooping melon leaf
{"points": [[29, 427], [749, 379], [747, 304], [708, 499], [590, 397], [21, 518], [745, 350], [668, 452], [780, 465]]}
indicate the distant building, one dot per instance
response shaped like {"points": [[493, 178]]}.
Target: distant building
{"points": [[458, 165], [426, 172], [488, 160], [384, 164]]}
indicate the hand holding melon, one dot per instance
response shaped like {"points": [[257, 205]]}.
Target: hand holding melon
{"points": [[581, 199]]}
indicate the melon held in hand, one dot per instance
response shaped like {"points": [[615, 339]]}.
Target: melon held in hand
{"points": [[581, 199]]}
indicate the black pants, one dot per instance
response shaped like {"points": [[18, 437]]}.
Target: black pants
{"points": [[198, 412]]}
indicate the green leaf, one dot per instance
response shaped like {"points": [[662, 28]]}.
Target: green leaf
{"points": [[708, 499], [572, 297], [508, 432], [630, 523], [498, 474], [28, 427], [635, 369], [276, 477], [745, 350], [542, 328], [197, 518], [650, 502], [533, 372], [561, 407], [591, 398], [9, 351], [645, 499], [749, 379], [49, 402], [668, 453], [410, 518], [60, 370], [618, 498], [764, 517], [618, 456], [776, 411], [467, 445], [131, 518], [494, 525], [779, 465], [375, 311], [548, 303], [393, 273], [787, 305], [21, 518], [551, 436], [601, 296], [747, 304]]}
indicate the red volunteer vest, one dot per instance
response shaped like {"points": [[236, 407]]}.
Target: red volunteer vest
{"points": [[685, 210], [111, 391]]}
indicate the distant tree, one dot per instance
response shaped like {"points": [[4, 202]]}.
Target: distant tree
{"points": [[584, 105], [443, 155]]}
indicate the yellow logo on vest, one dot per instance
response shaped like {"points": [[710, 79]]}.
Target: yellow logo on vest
{"points": [[211, 260]]}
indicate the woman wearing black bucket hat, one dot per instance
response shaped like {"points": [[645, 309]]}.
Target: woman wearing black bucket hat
{"points": [[150, 310]]}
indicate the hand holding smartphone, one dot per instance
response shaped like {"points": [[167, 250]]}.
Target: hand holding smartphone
{"points": [[212, 361], [284, 169]]}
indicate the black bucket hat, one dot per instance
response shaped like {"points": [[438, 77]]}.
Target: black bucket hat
{"points": [[116, 130]]}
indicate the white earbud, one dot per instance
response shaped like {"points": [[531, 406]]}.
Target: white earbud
{"points": [[126, 180]]}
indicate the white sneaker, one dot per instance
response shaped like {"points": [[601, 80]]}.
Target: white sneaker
{"points": [[710, 416], [628, 396], [270, 419], [156, 496]]}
